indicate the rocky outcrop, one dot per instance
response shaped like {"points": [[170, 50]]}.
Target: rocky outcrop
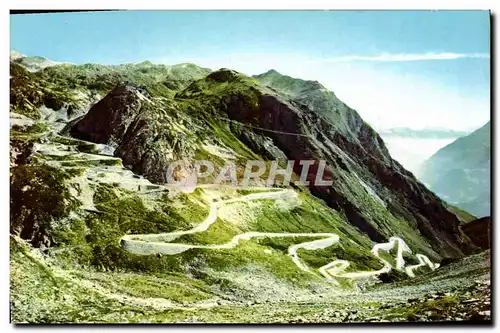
{"points": [[38, 197], [21, 151], [153, 141], [32, 64], [108, 120], [479, 231]]}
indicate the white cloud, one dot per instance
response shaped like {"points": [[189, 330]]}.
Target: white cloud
{"points": [[398, 57]]}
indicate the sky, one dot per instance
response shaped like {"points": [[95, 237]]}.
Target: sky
{"points": [[415, 69]]}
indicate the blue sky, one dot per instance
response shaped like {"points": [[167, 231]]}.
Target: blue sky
{"points": [[397, 68]]}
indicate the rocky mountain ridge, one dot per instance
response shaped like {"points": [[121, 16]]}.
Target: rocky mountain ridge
{"points": [[352, 146], [32, 64]]}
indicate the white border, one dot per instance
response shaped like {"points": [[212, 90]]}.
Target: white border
{"points": [[255, 4]]}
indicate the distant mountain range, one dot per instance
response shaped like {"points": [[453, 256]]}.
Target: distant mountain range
{"points": [[426, 133], [460, 172], [33, 64]]}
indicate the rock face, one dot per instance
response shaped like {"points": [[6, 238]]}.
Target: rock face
{"points": [[107, 121], [21, 152], [376, 194], [460, 172], [316, 98], [479, 231], [38, 197], [155, 138]]}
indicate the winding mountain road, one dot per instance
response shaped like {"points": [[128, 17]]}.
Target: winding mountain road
{"points": [[148, 244]]}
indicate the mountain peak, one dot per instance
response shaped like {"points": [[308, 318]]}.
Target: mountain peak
{"points": [[224, 75], [288, 83], [271, 72], [31, 63], [15, 55]]}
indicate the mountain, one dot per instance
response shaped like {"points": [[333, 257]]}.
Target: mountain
{"points": [[14, 55], [32, 64], [98, 230], [315, 97], [460, 172], [352, 149], [412, 147]]}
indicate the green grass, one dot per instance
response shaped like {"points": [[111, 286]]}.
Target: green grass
{"points": [[213, 89], [359, 259], [95, 238], [36, 128], [151, 286], [310, 217], [158, 80], [249, 252], [39, 295], [191, 209], [224, 133], [219, 232], [81, 146]]}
